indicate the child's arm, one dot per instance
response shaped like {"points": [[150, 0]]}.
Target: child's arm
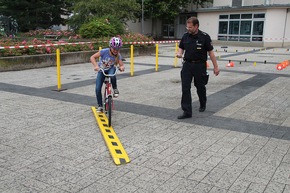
{"points": [[121, 65], [94, 62]]}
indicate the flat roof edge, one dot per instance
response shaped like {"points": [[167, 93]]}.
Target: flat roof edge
{"points": [[240, 8]]}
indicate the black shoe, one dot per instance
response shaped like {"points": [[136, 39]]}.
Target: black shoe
{"points": [[184, 116], [201, 109], [116, 92]]}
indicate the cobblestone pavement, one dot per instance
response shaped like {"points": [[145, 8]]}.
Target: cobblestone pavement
{"points": [[50, 141]]}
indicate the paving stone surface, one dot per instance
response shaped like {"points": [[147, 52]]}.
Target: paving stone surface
{"points": [[50, 141]]}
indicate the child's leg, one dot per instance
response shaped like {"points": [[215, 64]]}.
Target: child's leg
{"points": [[99, 83], [113, 78]]}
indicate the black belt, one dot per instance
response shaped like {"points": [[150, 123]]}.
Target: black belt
{"points": [[194, 61]]}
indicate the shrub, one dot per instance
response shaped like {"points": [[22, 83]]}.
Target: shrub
{"points": [[96, 28], [42, 32], [92, 44], [105, 26], [117, 25]]}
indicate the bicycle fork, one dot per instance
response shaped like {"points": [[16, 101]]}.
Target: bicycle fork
{"points": [[108, 93]]}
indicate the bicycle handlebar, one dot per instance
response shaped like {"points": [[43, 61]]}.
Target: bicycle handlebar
{"points": [[103, 71]]}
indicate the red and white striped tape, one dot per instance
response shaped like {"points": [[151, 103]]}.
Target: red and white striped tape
{"points": [[78, 43], [277, 39], [154, 42]]}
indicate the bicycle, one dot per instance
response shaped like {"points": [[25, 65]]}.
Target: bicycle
{"points": [[108, 103]]}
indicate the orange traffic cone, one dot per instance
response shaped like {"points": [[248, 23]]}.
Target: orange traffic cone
{"points": [[207, 65], [284, 65], [231, 64], [279, 66]]}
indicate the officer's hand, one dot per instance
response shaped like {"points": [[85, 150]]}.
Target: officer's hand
{"points": [[216, 71], [179, 55]]}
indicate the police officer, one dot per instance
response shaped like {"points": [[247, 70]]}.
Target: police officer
{"points": [[197, 45]]}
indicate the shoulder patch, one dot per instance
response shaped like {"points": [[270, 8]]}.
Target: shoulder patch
{"points": [[204, 33]]}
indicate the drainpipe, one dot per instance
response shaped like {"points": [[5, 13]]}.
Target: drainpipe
{"points": [[142, 19], [266, 2], [288, 10]]}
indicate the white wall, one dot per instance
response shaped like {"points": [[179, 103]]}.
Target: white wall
{"points": [[136, 27], [264, 2], [218, 3], [280, 1], [253, 2], [274, 26], [287, 31], [208, 22]]}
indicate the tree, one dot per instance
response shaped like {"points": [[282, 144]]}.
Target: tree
{"points": [[8, 26], [200, 3], [31, 14], [166, 10], [84, 11]]}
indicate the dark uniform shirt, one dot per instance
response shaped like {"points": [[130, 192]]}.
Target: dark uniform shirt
{"points": [[196, 46]]}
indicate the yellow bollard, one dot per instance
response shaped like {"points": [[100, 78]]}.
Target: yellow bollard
{"points": [[175, 59], [156, 65], [58, 71], [132, 60], [100, 50], [255, 63], [58, 68]]}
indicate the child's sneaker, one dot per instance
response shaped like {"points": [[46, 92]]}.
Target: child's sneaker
{"points": [[100, 109], [116, 92]]}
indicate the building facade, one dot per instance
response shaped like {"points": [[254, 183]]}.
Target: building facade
{"points": [[263, 23], [252, 22]]}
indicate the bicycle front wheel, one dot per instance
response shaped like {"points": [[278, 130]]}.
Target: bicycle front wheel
{"points": [[110, 101]]}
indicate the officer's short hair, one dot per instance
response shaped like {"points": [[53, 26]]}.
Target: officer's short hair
{"points": [[193, 20]]}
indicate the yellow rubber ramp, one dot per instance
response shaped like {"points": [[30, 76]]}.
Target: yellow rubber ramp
{"points": [[114, 145]]}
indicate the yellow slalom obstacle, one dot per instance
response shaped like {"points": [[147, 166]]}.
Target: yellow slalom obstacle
{"points": [[156, 61], [114, 145], [58, 72], [132, 60]]}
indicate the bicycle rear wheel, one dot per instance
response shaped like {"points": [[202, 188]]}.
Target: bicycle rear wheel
{"points": [[110, 101]]}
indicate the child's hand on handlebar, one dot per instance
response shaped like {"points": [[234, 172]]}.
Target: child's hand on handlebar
{"points": [[122, 68], [97, 68]]}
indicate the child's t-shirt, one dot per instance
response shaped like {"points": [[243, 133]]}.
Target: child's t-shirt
{"points": [[107, 60]]}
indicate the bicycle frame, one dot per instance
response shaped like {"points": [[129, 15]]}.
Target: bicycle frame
{"points": [[107, 82], [108, 94]]}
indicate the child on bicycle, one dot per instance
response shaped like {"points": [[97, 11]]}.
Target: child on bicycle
{"points": [[109, 58]]}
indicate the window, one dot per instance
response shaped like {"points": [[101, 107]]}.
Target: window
{"points": [[247, 16], [224, 16], [234, 27], [168, 30], [236, 2], [261, 15], [244, 27], [258, 27], [182, 20], [235, 16], [223, 27]]}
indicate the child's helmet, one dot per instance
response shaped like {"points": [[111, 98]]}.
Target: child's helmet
{"points": [[116, 43]]}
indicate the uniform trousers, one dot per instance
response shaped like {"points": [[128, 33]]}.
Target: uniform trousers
{"points": [[197, 72]]}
